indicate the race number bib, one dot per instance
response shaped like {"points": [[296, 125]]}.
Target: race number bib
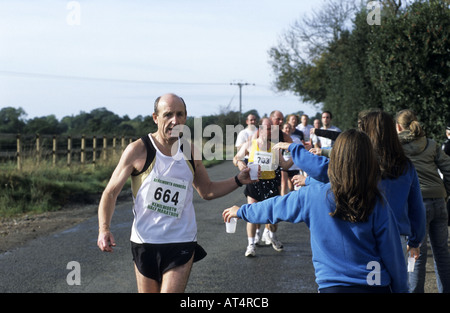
{"points": [[264, 159], [167, 195]]}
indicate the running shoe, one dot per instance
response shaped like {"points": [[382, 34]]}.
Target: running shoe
{"points": [[250, 250], [276, 244]]}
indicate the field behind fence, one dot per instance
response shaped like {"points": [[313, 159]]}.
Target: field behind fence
{"points": [[61, 149]]}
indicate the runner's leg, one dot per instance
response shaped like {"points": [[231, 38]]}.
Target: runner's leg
{"points": [[175, 279], [146, 285]]}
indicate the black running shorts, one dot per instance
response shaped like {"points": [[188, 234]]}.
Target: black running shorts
{"points": [[153, 260]]}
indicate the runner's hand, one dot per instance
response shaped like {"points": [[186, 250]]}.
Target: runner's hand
{"points": [[106, 241], [244, 176]]}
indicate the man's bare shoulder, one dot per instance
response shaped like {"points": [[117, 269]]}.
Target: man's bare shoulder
{"points": [[135, 151]]}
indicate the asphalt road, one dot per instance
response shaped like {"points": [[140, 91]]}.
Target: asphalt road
{"points": [[44, 264]]}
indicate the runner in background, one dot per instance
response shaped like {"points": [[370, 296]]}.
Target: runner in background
{"points": [[260, 151], [294, 169]]}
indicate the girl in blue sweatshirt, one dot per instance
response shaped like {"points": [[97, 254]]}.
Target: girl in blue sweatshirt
{"points": [[399, 181], [354, 238]]}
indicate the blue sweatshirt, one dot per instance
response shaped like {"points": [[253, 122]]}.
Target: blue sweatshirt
{"points": [[344, 253], [403, 194]]}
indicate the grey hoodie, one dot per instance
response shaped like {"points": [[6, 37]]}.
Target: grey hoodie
{"points": [[427, 158]]}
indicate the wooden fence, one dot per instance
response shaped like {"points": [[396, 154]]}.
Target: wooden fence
{"points": [[74, 149]]}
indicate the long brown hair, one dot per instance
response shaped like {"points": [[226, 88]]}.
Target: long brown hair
{"points": [[380, 128], [354, 175]]}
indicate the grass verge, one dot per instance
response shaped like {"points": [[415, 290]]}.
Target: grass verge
{"points": [[46, 188]]}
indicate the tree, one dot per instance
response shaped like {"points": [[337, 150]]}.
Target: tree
{"points": [[12, 120], [103, 121], [337, 78], [45, 125], [348, 85], [403, 63], [253, 112], [297, 60], [409, 62], [99, 121]]}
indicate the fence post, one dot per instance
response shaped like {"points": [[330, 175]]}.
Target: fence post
{"points": [[69, 150], [54, 151], [94, 148], [105, 146], [38, 150], [114, 147], [19, 153], [83, 146]]}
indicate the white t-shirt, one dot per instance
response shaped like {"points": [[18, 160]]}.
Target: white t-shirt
{"points": [[305, 129], [245, 135]]}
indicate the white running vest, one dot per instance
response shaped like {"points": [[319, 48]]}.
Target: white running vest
{"points": [[163, 208]]}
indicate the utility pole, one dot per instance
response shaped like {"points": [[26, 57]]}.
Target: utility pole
{"points": [[240, 96]]}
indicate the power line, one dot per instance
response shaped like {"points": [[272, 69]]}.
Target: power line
{"points": [[116, 80], [100, 79], [128, 81]]}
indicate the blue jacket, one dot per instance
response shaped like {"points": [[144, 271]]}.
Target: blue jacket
{"points": [[344, 253], [403, 194]]}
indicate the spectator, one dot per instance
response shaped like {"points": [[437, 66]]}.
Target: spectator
{"points": [[446, 145], [428, 157], [446, 149], [247, 133], [315, 141], [294, 169], [327, 143], [292, 119], [305, 128]]}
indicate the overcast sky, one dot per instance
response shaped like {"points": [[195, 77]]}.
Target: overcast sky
{"points": [[62, 57]]}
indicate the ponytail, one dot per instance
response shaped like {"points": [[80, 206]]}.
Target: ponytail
{"points": [[408, 121], [416, 129]]}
